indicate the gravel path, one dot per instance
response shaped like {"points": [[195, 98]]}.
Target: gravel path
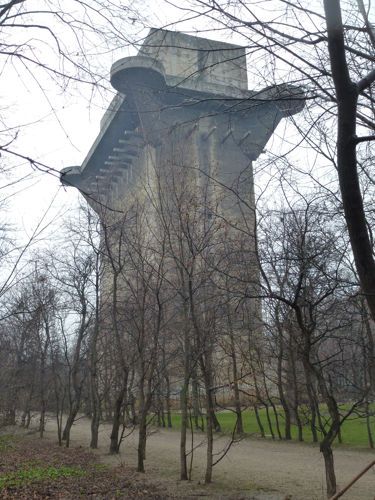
{"points": [[252, 469]]}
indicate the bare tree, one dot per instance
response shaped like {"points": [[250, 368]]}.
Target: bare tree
{"points": [[59, 45], [75, 275], [304, 272]]}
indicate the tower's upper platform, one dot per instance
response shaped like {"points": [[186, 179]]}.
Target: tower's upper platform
{"points": [[196, 63], [178, 79]]}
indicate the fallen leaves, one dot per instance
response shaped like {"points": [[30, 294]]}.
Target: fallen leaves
{"points": [[31, 468]]}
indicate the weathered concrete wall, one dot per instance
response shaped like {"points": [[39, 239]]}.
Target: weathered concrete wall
{"points": [[198, 63]]}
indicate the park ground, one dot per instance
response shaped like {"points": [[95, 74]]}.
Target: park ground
{"points": [[253, 468]]}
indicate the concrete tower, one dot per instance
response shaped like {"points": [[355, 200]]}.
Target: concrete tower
{"points": [[183, 116], [186, 96], [184, 101]]}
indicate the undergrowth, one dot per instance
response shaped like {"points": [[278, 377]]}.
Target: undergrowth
{"points": [[32, 474]]}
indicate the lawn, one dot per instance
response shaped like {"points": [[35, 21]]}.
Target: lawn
{"points": [[353, 432]]}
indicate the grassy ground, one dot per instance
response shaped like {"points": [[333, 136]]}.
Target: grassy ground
{"points": [[353, 432], [32, 468]]}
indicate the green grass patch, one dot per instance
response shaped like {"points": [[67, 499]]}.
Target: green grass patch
{"points": [[34, 474], [6, 442], [100, 467], [353, 431]]}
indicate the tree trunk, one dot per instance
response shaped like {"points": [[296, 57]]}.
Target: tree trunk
{"points": [[43, 402], [143, 409], [69, 423], [183, 432], [184, 398], [259, 422], [94, 392], [280, 385], [283, 401], [368, 426], [28, 420], [329, 468], [42, 420], [95, 422], [335, 423], [269, 422], [59, 427], [296, 400], [276, 419], [210, 413], [168, 398], [142, 437], [195, 399], [236, 392], [116, 422], [312, 403], [272, 404], [347, 96]]}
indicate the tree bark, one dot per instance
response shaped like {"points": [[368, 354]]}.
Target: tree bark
{"points": [[347, 93], [94, 391], [280, 386], [114, 446], [69, 423], [259, 422], [184, 396], [210, 413], [184, 426], [326, 450]]}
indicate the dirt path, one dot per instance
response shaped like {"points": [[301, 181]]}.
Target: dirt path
{"points": [[253, 468]]}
